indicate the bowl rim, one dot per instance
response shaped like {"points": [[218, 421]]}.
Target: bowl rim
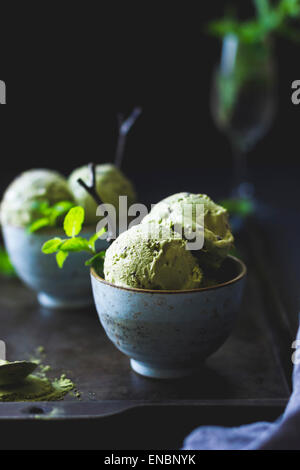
{"points": [[241, 275]]}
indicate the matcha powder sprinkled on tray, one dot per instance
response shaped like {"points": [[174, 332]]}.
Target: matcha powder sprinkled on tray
{"points": [[37, 387], [34, 388]]}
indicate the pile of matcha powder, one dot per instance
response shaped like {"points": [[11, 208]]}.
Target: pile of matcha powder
{"points": [[37, 386]]}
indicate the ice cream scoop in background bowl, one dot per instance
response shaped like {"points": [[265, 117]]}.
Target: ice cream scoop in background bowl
{"points": [[168, 334]]}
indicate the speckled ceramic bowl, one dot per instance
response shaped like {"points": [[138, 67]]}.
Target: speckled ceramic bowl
{"points": [[69, 287], [168, 334]]}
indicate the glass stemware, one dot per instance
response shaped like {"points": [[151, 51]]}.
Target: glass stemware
{"points": [[243, 101]]}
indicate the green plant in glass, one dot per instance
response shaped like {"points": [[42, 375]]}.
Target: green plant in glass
{"points": [[243, 99]]}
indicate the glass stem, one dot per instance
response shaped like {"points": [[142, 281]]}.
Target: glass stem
{"points": [[242, 188], [240, 166]]}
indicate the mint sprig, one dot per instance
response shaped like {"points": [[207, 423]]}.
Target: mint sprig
{"points": [[49, 214], [73, 222]]}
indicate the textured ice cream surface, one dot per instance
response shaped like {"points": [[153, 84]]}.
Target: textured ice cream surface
{"points": [[110, 184], [18, 205], [218, 238], [145, 258]]}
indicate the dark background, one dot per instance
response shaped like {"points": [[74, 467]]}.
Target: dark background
{"points": [[69, 73]]}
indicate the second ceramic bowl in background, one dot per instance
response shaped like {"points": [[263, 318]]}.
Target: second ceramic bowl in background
{"points": [[69, 287]]}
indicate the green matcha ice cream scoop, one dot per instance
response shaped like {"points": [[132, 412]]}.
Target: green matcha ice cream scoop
{"points": [[18, 206], [218, 238], [110, 184], [151, 257], [15, 372]]}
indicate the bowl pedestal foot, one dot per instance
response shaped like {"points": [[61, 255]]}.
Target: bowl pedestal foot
{"points": [[49, 301], [149, 370]]}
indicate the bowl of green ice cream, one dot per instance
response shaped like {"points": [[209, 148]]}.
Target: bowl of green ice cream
{"points": [[55, 288], [164, 306]]}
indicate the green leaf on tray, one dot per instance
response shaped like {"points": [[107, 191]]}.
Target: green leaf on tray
{"points": [[73, 221]]}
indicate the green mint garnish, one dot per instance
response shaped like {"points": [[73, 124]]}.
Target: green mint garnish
{"points": [[63, 247], [76, 244], [52, 246], [73, 221], [95, 237], [97, 262], [269, 19], [98, 256], [40, 223], [49, 214]]}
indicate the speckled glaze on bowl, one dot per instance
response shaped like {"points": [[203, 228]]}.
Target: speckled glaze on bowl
{"points": [[168, 334], [69, 287]]}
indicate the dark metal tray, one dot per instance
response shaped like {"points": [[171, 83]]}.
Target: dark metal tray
{"points": [[251, 369]]}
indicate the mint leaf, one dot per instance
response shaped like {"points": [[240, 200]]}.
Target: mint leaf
{"points": [[51, 246], [49, 214], [73, 221], [75, 244], [38, 224], [61, 207], [98, 256], [61, 257], [95, 237], [97, 262], [41, 206]]}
